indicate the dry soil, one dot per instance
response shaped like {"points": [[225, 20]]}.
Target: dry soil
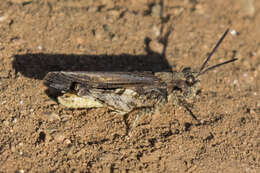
{"points": [[39, 135]]}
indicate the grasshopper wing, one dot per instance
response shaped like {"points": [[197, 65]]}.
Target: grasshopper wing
{"points": [[103, 80]]}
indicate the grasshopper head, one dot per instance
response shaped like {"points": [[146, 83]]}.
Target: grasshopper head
{"points": [[185, 84]]}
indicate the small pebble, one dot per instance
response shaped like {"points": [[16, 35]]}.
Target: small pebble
{"points": [[235, 82], [92, 9], [14, 120], [59, 137], [39, 47], [114, 13], [233, 32], [80, 40], [67, 141], [245, 75], [3, 18], [6, 123], [156, 10], [13, 148], [21, 171], [50, 116], [156, 46], [65, 117], [157, 31]]}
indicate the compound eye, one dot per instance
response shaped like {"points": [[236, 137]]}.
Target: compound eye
{"points": [[190, 80]]}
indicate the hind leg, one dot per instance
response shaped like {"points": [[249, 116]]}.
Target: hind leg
{"points": [[142, 111]]}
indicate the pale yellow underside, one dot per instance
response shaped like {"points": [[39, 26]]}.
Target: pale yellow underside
{"points": [[74, 101]]}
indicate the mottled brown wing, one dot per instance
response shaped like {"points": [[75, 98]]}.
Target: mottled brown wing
{"points": [[104, 80]]}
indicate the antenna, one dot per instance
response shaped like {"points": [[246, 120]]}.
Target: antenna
{"points": [[211, 53], [217, 65]]}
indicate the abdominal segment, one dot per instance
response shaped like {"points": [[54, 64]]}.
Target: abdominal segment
{"points": [[74, 101], [120, 100]]}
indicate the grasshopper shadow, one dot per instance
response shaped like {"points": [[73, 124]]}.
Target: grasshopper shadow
{"points": [[38, 65]]}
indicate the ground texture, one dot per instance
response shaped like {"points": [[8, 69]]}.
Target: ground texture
{"points": [[39, 135]]}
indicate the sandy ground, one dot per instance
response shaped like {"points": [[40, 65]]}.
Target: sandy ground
{"points": [[39, 135]]}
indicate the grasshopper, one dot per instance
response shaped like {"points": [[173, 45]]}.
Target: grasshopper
{"points": [[124, 92]]}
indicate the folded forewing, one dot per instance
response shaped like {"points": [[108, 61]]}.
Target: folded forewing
{"points": [[105, 80]]}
